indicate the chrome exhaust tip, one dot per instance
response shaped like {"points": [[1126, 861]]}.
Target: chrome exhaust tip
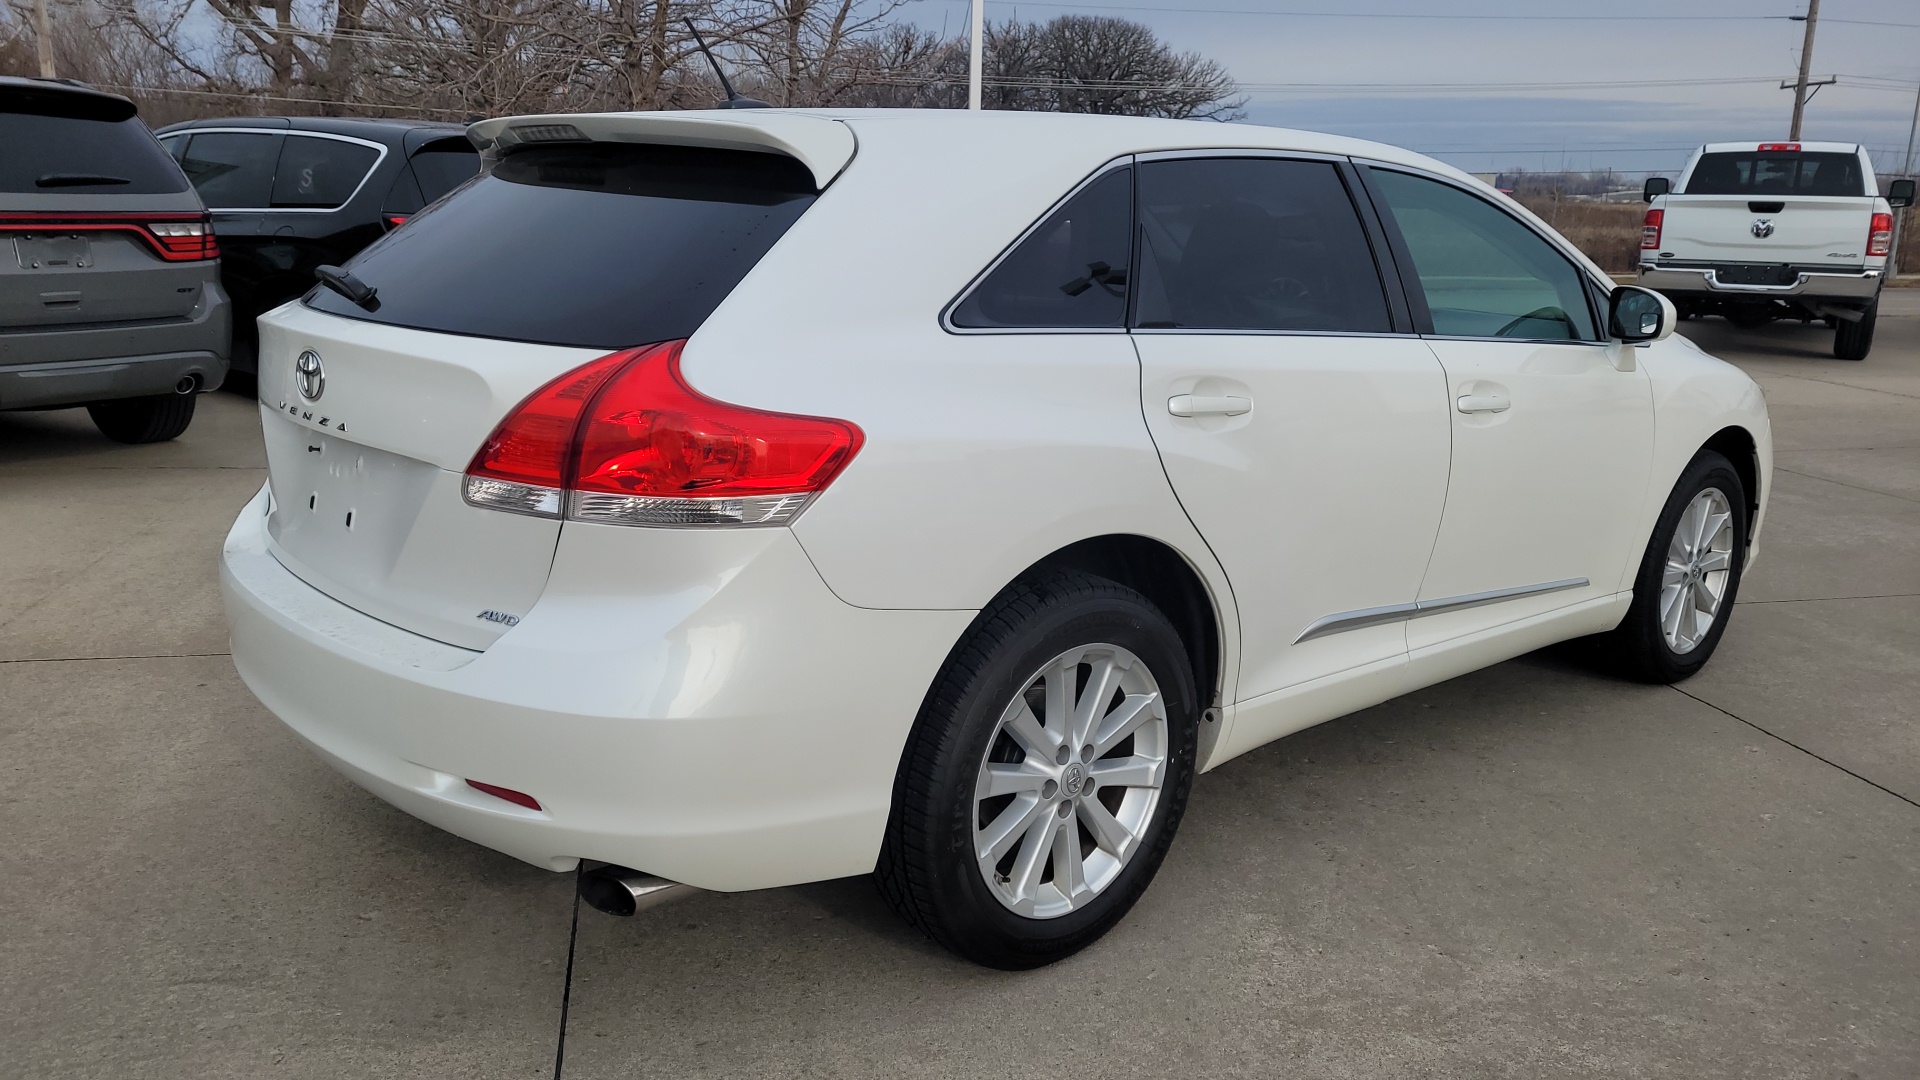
{"points": [[187, 385], [617, 890]]}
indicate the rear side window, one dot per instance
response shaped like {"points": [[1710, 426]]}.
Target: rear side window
{"points": [[40, 153], [601, 245], [232, 169], [1071, 272], [442, 166], [1254, 244], [317, 173], [1776, 173]]}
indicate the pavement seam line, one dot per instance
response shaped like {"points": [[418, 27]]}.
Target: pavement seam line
{"points": [[1849, 386], [1824, 599], [1823, 760], [566, 988], [136, 656], [1844, 484]]}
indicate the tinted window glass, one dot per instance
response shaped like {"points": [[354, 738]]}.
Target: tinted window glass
{"points": [[319, 173], [1253, 244], [1483, 272], [58, 153], [440, 167], [232, 169], [603, 245], [1070, 272], [1777, 174]]}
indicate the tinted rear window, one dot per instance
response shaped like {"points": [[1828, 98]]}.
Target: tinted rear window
{"points": [[600, 245], [440, 167], [319, 173], [232, 169], [1070, 272], [58, 153], [1755, 173]]}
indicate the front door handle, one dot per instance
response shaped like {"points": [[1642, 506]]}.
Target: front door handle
{"points": [[1203, 405], [1478, 403]]}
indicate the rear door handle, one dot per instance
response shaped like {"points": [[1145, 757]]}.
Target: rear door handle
{"points": [[1199, 405], [1477, 403]]}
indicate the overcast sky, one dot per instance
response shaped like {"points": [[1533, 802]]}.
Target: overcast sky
{"points": [[1271, 46]]}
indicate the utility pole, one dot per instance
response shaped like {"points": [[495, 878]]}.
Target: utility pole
{"points": [[1906, 169], [43, 37], [1806, 65], [975, 61]]}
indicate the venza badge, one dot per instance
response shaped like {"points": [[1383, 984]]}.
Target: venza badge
{"points": [[309, 376], [1762, 228]]}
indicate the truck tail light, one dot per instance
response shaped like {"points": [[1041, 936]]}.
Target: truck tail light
{"points": [[1880, 235], [625, 441], [1779, 148], [1650, 230]]}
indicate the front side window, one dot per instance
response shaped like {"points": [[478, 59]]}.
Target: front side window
{"points": [[1254, 244], [232, 169], [1070, 273], [319, 173], [1483, 273], [1761, 173]]}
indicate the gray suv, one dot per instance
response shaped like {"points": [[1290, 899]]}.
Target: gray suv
{"points": [[109, 275]]}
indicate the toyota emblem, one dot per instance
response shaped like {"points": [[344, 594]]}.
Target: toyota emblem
{"points": [[309, 376], [1762, 228]]}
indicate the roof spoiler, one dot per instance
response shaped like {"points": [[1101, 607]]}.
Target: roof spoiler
{"points": [[824, 146]]}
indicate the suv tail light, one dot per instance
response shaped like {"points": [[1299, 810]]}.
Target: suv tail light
{"points": [[185, 241], [173, 237], [625, 441], [1880, 235], [1650, 230]]}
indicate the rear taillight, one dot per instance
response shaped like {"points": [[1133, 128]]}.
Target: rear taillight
{"points": [[1880, 235], [1779, 147], [1650, 230], [394, 221], [185, 241], [624, 440]]}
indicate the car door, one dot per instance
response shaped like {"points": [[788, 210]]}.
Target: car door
{"points": [[1305, 433], [1552, 442]]}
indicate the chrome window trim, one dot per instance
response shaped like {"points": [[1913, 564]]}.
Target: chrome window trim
{"points": [[289, 134], [1577, 258], [946, 313], [1342, 621]]}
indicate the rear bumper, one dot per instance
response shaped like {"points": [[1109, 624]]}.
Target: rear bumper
{"points": [[738, 728], [50, 366], [1705, 281]]}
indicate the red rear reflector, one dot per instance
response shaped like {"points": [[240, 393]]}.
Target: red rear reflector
{"points": [[394, 221], [1880, 235], [1650, 230], [1780, 147], [518, 798], [625, 440]]}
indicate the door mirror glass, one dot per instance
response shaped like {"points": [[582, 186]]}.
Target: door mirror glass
{"points": [[1900, 193], [1656, 187], [1636, 314]]}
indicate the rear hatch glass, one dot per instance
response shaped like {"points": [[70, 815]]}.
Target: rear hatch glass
{"points": [[1757, 174], [599, 245], [60, 154]]}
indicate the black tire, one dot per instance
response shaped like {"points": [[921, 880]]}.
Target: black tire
{"points": [[144, 419], [1638, 647], [1854, 340], [927, 869]]}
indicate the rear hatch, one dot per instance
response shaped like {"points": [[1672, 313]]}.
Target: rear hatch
{"points": [[561, 254], [1800, 209], [98, 225]]}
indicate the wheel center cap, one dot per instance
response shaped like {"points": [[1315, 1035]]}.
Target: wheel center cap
{"points": [[1073, 779]]}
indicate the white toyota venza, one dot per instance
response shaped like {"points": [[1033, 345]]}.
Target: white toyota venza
{"points": [[748, 498]]}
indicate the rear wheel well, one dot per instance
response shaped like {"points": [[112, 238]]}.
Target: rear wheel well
{"points": [[1164, 577], [1737, 446]]}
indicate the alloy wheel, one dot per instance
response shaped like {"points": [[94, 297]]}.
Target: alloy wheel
{"points": [[1699, 564]]}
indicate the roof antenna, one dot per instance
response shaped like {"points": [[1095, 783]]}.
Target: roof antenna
{"points": [[734, 101]]}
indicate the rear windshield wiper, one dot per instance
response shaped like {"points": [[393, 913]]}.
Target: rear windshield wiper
{"points": [[61, 179], [344, 283]]}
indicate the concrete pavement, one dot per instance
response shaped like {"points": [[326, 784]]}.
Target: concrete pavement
{"points": [[1530, 871]]}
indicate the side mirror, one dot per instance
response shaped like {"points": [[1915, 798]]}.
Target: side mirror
{"points": [[1656, 186], [1900, 193], [1635, 314]]}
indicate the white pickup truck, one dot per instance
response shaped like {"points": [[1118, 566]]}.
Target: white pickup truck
{"points": [[1763, 231]]}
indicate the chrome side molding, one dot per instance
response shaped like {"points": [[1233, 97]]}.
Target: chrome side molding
{"points": [[1342, 621]]}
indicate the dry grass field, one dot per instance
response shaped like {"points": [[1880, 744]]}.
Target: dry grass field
{"points": [[1610, 232]]}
